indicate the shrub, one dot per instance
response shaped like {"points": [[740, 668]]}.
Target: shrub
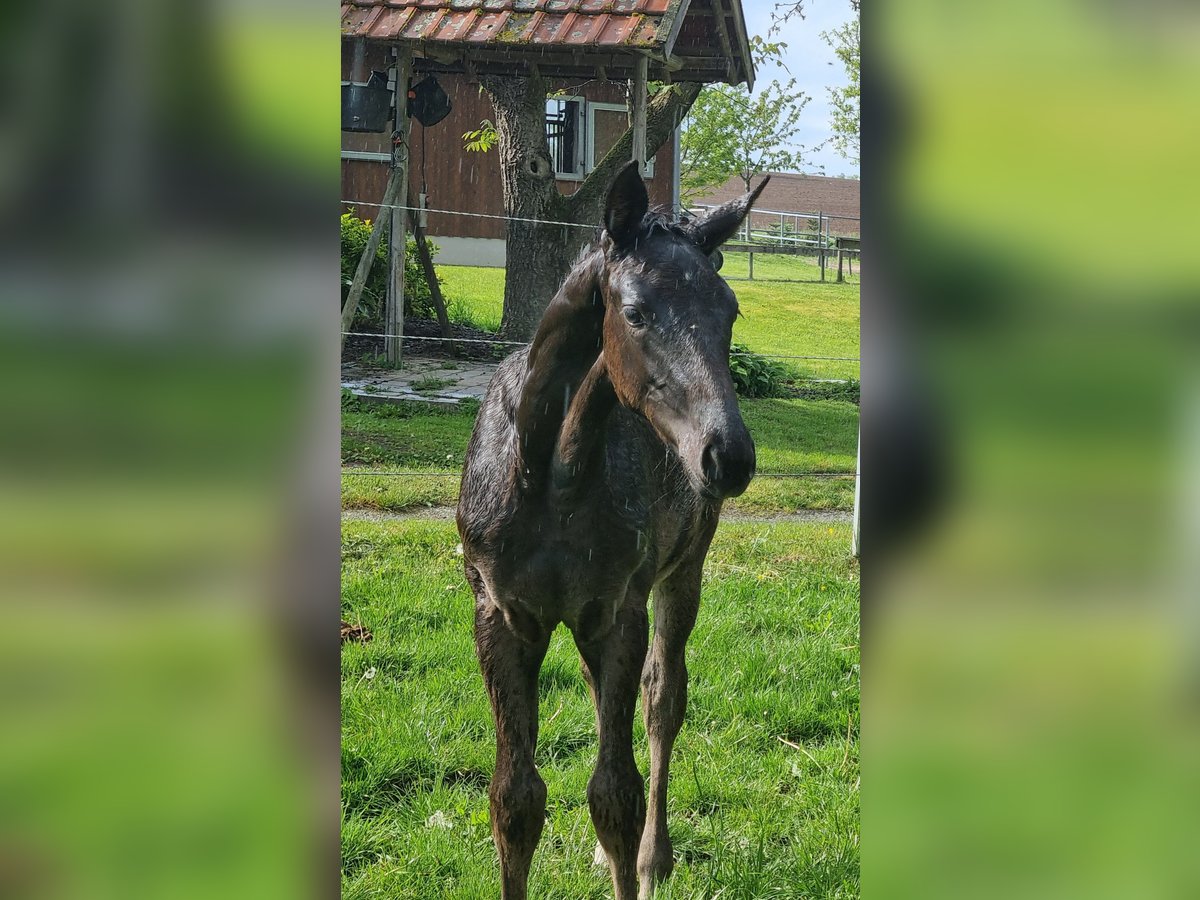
{"points": [[369, 317], [757, 376], [848, 391]]}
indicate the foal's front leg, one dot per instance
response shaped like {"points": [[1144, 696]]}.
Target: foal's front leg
{"points": [[616, 791], [510, 665], [664, 701]]}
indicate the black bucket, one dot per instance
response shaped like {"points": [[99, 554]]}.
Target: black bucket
{"points": [[366, 108]]}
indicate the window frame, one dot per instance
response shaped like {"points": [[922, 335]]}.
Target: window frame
{"points": [[590, 162], [582, 129]]}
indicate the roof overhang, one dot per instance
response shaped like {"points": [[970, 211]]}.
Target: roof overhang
{"points": [[683, 40]]}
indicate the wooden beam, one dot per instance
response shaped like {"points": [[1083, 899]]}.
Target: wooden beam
{"points": [[605, 67], [368, 256], [723, 35], [638, 111], [394, 318]]}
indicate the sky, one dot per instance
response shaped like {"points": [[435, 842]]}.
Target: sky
{"points": [[814, 66]]}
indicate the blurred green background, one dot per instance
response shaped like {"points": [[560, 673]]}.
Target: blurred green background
{"points": [[1030, 720]]}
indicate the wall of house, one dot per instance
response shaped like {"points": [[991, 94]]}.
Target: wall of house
{"points": [[458, 180], [810, 194]]}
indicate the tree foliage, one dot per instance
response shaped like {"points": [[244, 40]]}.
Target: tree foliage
{"points": [[844, 100], [729, 133], [482, 139]]}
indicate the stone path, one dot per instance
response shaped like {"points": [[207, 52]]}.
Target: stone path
{"points": [[426, 378]]}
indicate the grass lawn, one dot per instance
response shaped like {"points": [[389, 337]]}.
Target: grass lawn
{"points": [[790, 436], [764, 798], [474, 295], [780, 266]]}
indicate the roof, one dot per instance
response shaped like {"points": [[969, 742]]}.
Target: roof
{"points": [[685, 40]]}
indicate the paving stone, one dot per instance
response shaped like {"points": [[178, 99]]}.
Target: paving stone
{"points": [[467, 380]]}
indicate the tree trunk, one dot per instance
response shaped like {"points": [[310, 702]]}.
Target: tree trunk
{"points": [[539, 256]]}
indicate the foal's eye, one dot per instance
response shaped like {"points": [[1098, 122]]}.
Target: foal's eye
{"points": [[633, 316]]}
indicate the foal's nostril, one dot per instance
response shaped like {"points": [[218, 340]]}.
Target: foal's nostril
{"points": [[710, 463], [727, 465]]}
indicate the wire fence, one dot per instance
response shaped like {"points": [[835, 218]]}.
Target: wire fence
{"points": [[798, 249], [792, 246], [455, 340]]}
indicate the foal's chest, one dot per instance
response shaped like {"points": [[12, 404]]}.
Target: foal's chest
{"points": [[564, 567]]}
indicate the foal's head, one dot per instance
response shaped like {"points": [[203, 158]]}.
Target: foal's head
{"points": [[667, 326]]}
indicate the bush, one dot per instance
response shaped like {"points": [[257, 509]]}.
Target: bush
{"points": [[849, 391], [757, 376], [417, 300]]}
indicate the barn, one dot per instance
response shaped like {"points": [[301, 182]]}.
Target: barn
{"points": [[587, 52]]}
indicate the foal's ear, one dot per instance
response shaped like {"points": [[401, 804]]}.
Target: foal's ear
{"points": [[627, 203], [719, 226]]}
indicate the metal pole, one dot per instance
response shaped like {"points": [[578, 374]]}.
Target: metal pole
{"points": [[855, 543], [676, 203]]}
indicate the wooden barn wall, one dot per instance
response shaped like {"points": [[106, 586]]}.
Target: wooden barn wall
{"points": [[458, 180]]}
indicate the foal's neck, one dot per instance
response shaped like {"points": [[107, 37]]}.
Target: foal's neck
{"points": [[565, 387]]}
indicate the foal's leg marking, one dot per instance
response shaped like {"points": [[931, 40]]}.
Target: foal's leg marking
{"points": [[664, 701], [510, 667], [616, 790]]}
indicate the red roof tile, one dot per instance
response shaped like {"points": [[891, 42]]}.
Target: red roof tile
{"points": [[545, 23]]}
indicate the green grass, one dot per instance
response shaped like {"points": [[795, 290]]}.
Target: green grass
{"points": [[774, 658], [783, 267], [474, 295], [803, 319], [790, 436]]}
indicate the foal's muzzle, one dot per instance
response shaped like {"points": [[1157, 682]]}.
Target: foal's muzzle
{"points": [[727, 463]]}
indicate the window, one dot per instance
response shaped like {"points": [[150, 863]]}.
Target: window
{"points": [[564, 133], [606, 123], [580, 133]]}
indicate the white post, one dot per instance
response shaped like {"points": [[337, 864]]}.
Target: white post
{"points": [[854, 540], [638, 111], [394, 318]]}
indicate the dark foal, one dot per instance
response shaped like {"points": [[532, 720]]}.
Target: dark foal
{"points": [[596, 472]]}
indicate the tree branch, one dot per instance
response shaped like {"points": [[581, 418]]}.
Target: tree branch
{"points": [[663, 115]]}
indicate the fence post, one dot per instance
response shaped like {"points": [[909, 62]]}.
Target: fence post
{"points": [[751, 263], [821, 241], [394, 318]]}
